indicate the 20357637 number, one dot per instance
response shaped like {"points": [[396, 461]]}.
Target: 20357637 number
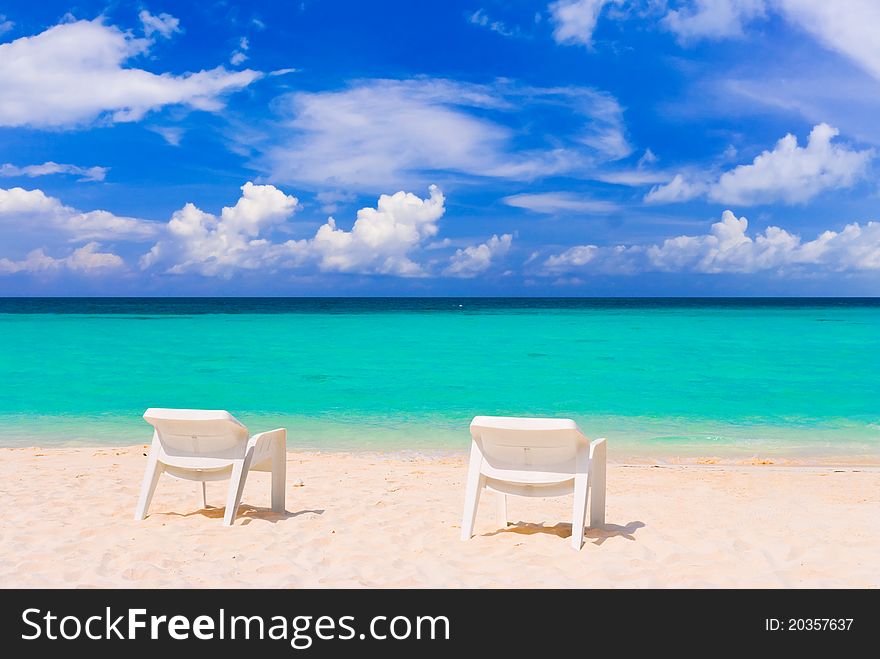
{"points": [[808, 624]]}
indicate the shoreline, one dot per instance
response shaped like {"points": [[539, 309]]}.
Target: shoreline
{"points": [[385, 520]]}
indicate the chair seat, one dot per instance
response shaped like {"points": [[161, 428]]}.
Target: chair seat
{"points": [[557, 489]]}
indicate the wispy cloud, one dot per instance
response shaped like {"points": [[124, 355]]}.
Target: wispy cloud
{"points": [[712, 19], [5, 25], [575, 20], [376, 133], [163, 25], [553, 203], [48, 168], [482, 19]]}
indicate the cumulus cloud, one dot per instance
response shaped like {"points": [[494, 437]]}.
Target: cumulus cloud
{"points": [[33, 211], [396, 132], [791, 173], [47, 168], [5, 25], [74, 73], [728, 248], [164, 24], [86, 259], [554, 203], [382, 238], [471, 261], [197, 241], [788, 173], [40, 234], [575, 20], [712, 19], [380, 241]]}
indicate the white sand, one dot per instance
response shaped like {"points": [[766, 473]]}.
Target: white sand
{"points": [[392, 520]]}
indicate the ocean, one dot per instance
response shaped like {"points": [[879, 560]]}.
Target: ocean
{"points": [[657, 377]]}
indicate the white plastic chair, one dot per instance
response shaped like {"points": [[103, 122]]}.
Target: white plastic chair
{"points": [[535, 458], [211, 445]]}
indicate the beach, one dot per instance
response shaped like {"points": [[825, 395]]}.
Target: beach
{"points": [[392, 519]]}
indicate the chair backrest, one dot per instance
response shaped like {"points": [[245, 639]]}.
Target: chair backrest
{"points": [[198, 433], [515, 443]]}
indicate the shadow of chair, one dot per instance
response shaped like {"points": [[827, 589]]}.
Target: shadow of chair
{"points": [[246, 513], [563, 530]]}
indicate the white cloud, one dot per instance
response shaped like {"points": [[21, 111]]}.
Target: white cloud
{"points": [[376, 133], [788, 173], [553, 203], [47, 168], [846, 26], [575, 20], [728, 248], [379, 133], [282, 72], [648, 158], [32, 211], [481, 18], [171, 134], [678, 189], [5, 25], [86, 259], [382, 238], [35, 228], [712, 19], [163, 24], [471, 261], [380, 241], [792, 173], [197, 241], [73, 74], [239, 56], [574, 257], [605, 132]]}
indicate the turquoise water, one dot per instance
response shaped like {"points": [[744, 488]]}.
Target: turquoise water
{"points": [[657, 377]]}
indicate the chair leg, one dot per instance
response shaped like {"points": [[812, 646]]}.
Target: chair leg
{"points": [[204, 495], [502, 510], [578, 519], [475, 483], [236, 487], [279, 476], [151, 479], [597, 484], [581, 491]]}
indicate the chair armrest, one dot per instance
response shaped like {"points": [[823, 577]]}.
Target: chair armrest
{"points": [[261, 446], [598, 450]]}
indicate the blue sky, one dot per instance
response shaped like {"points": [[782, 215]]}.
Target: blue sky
{"points": [[576, 147]]}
